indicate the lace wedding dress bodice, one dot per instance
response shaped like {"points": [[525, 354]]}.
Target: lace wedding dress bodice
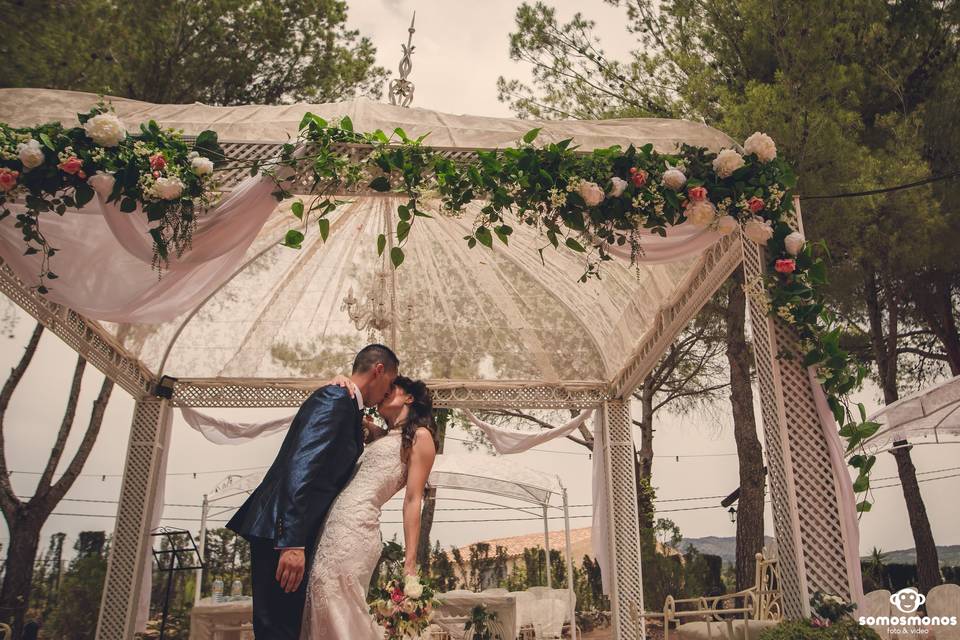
{"points": [[349, 547]]}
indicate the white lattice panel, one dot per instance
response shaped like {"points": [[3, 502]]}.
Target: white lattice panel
{"points": [[130, 539], [446, 394], [83, 336], [805, 513], [628, 593]]}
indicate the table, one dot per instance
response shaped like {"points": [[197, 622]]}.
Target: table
{"points": [[513, 608], [207, 614]]}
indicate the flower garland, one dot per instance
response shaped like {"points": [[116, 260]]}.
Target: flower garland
{"points": [[588, 202], [52, 169]]}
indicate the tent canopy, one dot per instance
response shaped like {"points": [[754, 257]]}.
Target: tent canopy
{"points": [[451, 313], [494, 475]]}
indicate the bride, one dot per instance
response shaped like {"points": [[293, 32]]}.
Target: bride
{"points": [[350, 545]]}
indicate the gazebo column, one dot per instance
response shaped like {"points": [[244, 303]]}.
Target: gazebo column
{"points": [[813, 539], [142, 486], [626, 597]]}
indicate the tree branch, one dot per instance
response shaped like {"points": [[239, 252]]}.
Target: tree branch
{"points": [[66, 425], [8, 499]]}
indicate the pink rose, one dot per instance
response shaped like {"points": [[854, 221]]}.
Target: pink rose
{"points": [[755, 205], [8, 179], [397, 596], [697, 193], [638, 177], [71, 165], [157, 161], [785, 265]]}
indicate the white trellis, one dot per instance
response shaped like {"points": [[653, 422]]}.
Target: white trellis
{"points": [[815, 543]]}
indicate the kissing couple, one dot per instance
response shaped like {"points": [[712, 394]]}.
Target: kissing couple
{"points": [[313, 524]]}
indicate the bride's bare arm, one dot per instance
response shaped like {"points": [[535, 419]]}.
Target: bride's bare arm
{"points": [[422, 455]]}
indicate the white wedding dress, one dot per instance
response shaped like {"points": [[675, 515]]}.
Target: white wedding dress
{"points": [[349, 547]]}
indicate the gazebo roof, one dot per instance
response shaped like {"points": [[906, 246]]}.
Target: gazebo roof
{"points": [[454, 314]]}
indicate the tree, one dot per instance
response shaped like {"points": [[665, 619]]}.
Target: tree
{"points": [[81, 590], [25, 518], [178, 51]]}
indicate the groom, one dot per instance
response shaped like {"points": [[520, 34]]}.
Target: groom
{"points": [[282, 518]]}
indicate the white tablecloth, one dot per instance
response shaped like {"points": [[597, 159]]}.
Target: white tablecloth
{"points": [[208, 614]]}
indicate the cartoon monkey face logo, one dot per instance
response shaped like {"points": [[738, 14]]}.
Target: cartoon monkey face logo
{"points": [[908, 600]]}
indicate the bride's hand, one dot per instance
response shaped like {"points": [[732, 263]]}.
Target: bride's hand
{"points": [[345, 382]]}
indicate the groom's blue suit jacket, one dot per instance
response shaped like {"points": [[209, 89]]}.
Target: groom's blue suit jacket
{"points": [[315, 462]]}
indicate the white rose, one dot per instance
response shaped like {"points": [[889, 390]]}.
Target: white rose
{"points": [[727, 225], [105, 129], [762, 145], [619, 186], [794, 243], [701, 213], [201, 166], [726, 162], [591, 193], [31, 155], [758, 230], [168, 188], [674, 178], [413, 589], [102, 182]]}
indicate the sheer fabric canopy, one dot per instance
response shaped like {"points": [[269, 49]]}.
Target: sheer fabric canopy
{"points": [[931, 416], [237, 305]]}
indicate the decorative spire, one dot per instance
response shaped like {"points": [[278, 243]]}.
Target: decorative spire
{"points": [[401, 89]]}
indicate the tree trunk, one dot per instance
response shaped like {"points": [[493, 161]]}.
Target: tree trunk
{"points": [[18, 571], [645, 454], [749, 451], [884, 348], [429, 509], [936, 308]]}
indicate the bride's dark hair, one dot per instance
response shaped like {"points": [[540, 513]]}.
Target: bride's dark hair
{"points": [[419, 412]]}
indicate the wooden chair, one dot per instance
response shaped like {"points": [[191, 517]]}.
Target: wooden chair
{"points": [[6, 633], [233, 632]]}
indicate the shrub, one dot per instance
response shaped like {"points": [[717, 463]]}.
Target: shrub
{"points": [[803, 630]]}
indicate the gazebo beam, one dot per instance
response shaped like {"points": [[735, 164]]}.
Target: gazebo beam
{"points": [[715, 266], [84, 336], [462, 394]]}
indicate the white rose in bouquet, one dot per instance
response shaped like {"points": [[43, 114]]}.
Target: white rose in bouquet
{"points": [[726, 162], [591, 193], [102, 182], [619, 186], [413, 588], [727, 225], [673, 178], [758, 230], [168, 188], [762, 145], [201, 166], [31, 155], [701, 213], [105, 129], [794, 243]]}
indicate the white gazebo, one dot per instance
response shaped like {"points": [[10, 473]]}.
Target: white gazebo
{"points": [[502, 330]]}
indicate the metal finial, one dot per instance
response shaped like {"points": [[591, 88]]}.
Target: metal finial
{"points": [[401, 89]]}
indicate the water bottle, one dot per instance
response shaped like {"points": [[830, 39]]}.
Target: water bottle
{"points": [[236, 589], [218, 590]]}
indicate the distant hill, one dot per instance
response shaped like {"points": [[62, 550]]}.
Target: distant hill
{"points": [[726, 548], [949, 556]]}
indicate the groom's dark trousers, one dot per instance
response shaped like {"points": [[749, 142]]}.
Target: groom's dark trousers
{"points": [[287, 510]]}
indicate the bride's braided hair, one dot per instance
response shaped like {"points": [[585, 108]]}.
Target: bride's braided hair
{"points": [[419, 413]]}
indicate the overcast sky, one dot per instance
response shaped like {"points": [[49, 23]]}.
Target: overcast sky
{"points": [[461, 50]]}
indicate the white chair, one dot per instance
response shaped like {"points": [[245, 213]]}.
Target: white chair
{"points": [[233, 632], [496, 592], [453, 626], [944, 601]]}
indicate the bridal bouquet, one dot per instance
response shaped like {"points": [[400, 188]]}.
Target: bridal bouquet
{"points": [[403, 609]]}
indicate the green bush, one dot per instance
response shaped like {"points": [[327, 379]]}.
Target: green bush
{"points": [[803, 630]]}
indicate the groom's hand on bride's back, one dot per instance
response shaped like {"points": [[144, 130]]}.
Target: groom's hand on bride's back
{"points": [[290, 569]]}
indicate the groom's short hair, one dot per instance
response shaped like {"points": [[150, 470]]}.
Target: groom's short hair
{"points": [[374, 354]]}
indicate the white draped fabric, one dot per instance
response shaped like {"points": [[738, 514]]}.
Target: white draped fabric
{"points": [[933, 413], [513, 441], [681, 241]]}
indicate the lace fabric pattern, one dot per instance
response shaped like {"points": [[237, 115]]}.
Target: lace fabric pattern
{"points": [[349, 547]]}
